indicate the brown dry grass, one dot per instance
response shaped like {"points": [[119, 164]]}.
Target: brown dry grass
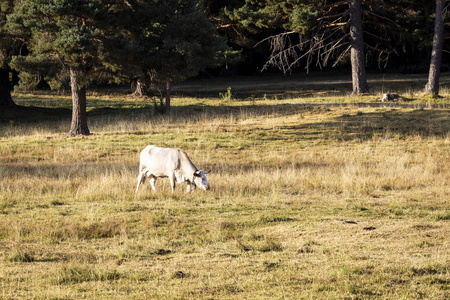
{"points": [[308, 201]]}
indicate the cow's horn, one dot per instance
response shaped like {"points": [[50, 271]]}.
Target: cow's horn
{"points": [[208, 172]]}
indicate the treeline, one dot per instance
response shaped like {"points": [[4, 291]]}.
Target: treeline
{"points": [[398, 34], [401, 35], [82, 43]]}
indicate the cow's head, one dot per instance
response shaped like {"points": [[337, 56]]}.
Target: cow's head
{"points": [[200, 180]]}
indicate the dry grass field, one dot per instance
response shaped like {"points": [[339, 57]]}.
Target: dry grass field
{"points": [[315, 195]]}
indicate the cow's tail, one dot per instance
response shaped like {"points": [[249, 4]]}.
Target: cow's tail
{"points": [[141, 179]]}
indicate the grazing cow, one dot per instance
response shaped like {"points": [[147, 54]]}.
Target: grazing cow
{"points": [[173, 163]]}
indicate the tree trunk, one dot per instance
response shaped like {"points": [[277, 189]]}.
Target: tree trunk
{"points": [[357, 51], [79, 116], [432, 87], [5, 93], [167, 109]]}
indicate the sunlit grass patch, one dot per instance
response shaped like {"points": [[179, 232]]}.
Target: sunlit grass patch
{"points": [[320, 197]]}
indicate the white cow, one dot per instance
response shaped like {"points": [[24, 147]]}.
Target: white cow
{"points": [[173, 163]]}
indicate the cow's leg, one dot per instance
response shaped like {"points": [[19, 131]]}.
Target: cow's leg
{"points": [[190, 187], [141, 179], [172, 181], [152, 182]]}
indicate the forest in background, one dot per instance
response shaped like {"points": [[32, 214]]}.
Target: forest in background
{"points": [[153, 44], [405, 27]]}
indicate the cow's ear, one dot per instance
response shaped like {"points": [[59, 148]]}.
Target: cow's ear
{"points": [[197, 174]]}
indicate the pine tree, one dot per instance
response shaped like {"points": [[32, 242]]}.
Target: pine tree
{"points": [[432, 86], [8, 45], [172, 40], [67, 37], [357, 49]]}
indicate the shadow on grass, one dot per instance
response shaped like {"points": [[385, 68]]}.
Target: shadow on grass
{"points": [[364, 126], [275, 85], [32, 114], [359, 125], [424, 123]]}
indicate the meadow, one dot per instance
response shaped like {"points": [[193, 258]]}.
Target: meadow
{"points": [[315, 194]]}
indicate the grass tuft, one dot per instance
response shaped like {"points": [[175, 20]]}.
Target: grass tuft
{"points": [[270, 244], [274, 219], [80, 274], [20, 255], [442, 217]]}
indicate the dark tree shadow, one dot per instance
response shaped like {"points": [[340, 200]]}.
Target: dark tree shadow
{"points": [[420, 122], [364, 126], [358, 125], [32, 114]]}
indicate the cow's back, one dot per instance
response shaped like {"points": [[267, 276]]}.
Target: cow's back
{"points": [[159, 161]]}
